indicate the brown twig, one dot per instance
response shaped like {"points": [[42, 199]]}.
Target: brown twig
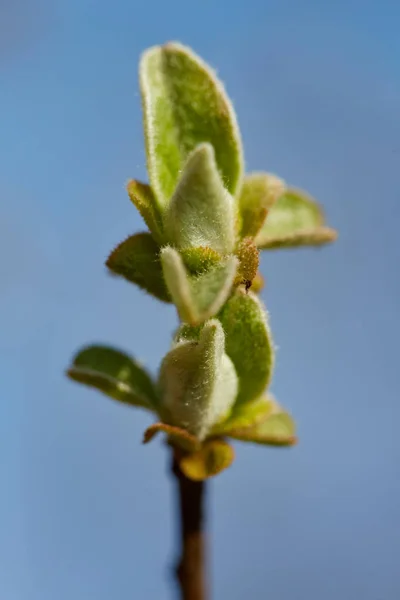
{"points": [[191, 569]]}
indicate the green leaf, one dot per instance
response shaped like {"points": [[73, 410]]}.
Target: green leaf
{"points": [[247, 415], [184, 105], [176, 436], [214, 457], [197, 298], [197, 382], [201, 211], [277, 430], [294, 220], [143, 198], [259, 192], [137, 259], [248, 344], [115, 374]]}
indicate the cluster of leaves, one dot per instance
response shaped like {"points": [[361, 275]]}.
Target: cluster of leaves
{"points": [[206, 222]]}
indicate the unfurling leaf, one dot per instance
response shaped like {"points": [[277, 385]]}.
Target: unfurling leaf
{"points": [[137, 259], [197, 298], [258, 194], [215, 456], [176, 436], [115, 374], [247, 415], [249, 257], [279, 429], [294, 220], [248, 343], [198, 383], [143, 198], [184, 105], [201, 210]]}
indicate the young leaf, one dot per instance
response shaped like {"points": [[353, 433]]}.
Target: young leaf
{"points": [[214, 457], [277, 430], [198, 383], [143, 198], [258, 194], [248, 415], [115, 374], [294, 220], [201, 211], [248, 344], [176, 436], [184, 105], [197, 298], [137, 259]]}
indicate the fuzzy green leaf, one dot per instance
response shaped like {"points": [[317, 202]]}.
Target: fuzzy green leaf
{"points": [[214, 457], [259, 192], [294, 220], [197, 298], [277, 430], [184, 105], [201, 211], [248, 344], [198, 383], [176, 436], [115, 374], [143, 198], [137, 259]]}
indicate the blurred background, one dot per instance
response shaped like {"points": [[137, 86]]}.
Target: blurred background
{"points": [[85, 510]]}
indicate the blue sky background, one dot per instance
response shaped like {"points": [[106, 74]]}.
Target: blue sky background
{"points": [[86, 510]]}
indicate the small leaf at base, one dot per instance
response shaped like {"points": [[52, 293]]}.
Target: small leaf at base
{"points": [[214, 457]]}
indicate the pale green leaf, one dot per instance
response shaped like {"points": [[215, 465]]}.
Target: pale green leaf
{"points": [[214, 457], [184, 105], [197, 298], [115, 374], [258, 194], [201, 210], [197, 382], [248, 343], [143, 198], [137, 259], [279, 429], [294, 220], [248, 415]]}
